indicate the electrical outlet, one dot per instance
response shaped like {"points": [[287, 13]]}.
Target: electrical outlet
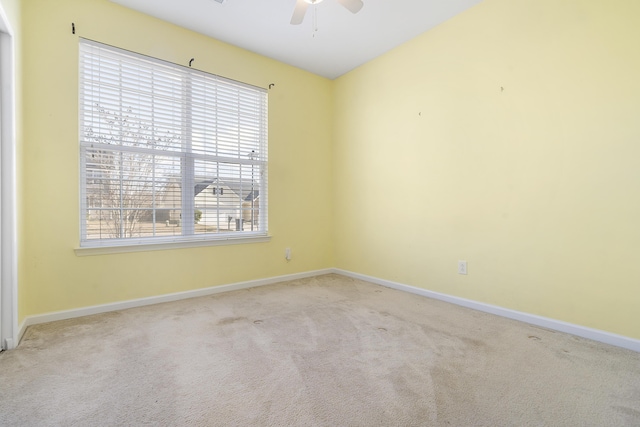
{"points": [[287, 254], [462, 267]]}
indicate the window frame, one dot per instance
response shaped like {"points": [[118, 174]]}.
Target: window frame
{"points": [[187, 155]]}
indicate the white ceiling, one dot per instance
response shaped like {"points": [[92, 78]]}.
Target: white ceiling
{"points": [[342, 41]]}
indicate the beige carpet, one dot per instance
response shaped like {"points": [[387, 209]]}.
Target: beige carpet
{"points": [[326, 351]]}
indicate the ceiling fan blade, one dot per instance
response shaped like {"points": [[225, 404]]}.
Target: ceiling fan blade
{"points": [[353, 5], [298, 12]]}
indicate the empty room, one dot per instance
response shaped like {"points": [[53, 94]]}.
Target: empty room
{"points": [[320, 212]]}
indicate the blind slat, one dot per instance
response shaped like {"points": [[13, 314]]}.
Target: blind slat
{"points": [[167, 152]]}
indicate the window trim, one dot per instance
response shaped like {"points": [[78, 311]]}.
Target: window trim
{"points": [[161, 246], [152, 243]]}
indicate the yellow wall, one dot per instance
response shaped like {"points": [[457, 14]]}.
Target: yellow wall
{"points": [[52, 277], [509, 137]]}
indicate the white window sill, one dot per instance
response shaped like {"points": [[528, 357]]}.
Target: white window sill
{"points": [[161, 246]]}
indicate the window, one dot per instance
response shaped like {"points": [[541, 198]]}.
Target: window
{"points": [[168, 153]]}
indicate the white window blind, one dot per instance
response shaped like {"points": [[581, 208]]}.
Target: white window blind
{"points": [[168, 153]]}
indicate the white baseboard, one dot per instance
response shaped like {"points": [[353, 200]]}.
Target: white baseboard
{"points": [[8, 344], [97, 309], [545, 322]]}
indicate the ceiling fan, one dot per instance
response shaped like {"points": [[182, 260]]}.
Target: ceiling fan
{"points": [[301, 8]]}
